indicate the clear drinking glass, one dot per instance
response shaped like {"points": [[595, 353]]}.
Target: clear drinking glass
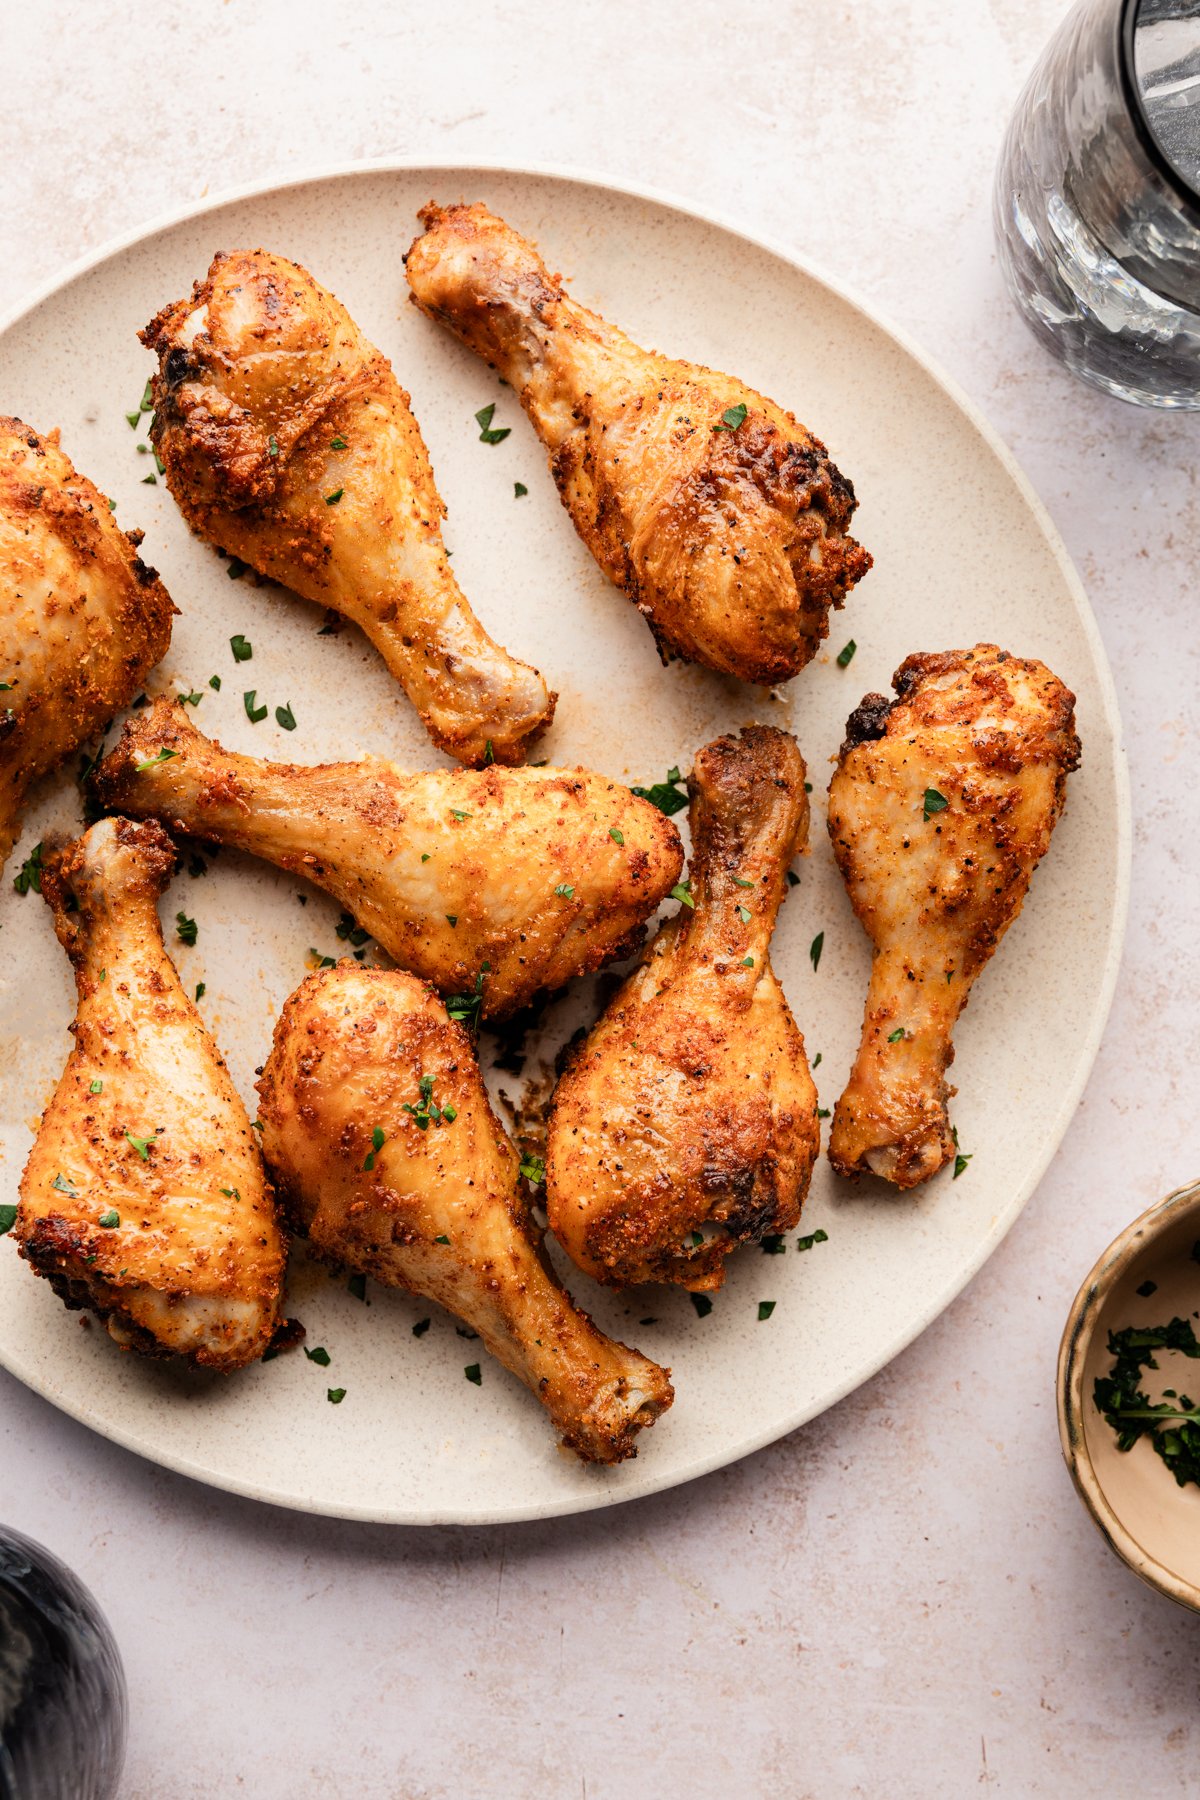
{"points": [[1097, 199]]}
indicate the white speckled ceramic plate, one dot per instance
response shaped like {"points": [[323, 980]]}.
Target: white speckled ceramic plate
{"points": [[963, 552]]}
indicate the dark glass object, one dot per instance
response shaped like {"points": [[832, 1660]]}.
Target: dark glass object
{"points": [[62, 1688], [1097, 203]]}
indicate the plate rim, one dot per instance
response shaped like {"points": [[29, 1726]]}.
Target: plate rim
{"points": [[1070, 1097]]}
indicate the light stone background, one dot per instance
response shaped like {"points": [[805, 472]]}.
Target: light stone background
{"points": [[905, 1597]]}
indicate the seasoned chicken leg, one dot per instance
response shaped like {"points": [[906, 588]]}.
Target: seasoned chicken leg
{"points": [[690, 1114], [940, 810], [498, 882], [289, 442], [719, 515], [82, 619], [377, 1125], [144, 1196]]}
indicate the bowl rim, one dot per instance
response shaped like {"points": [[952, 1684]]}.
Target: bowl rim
{"points": [[1077, 1335]]}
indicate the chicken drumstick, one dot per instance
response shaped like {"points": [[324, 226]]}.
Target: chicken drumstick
{"points": [[940, 809], [144, 1196], [687, 1123], [719, 515], [82, 619], [377, 1126], [288, 440], [503, 882]]}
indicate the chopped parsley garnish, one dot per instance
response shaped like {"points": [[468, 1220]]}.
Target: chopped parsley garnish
{"points": [[63, 1186], [214, 682], [272, 446], [351, 932], [186, 930], [253, 713], [452, 919], [822, 1112], [565, 891], [487, 433], [133, 419], [8, 1218], [315, 960], [335, 1396], [141, 1145], [533, 1168], [732, 417], [618, 837], [29, 875], [817, 1060], [747, 962], [337, 443], [895, 1036], [934, 802], [332, 499], [231, 1193], [702, 1304], [147, 399], [441, 1238], [738, 882], [421, 1327], [201, 990], [845, 655], [456, 813], [378, 1140], [489, 755], [472, 1371], [814, 1237], [357, 1285], [236, 568], [320, 1356], [743, 913], [815, 949], [426, 1107], [96, 1087], [765, 1309], [773, 1244], [467, 1009], [149, 480], [192, 699], [667, 795], [286, 717], [110, 1219], [793, 880], [682, 891], [1147, 1288], [242, 648], [960, 1161], [1130, 1411], [152, 762], [519, 490]]}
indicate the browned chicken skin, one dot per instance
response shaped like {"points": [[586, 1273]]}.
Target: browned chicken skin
{"points": [[378, 1129], [940, 810], [289, 442], [690, 1108], [505, 881], [82, 619], [144, 1195], [719, 515]]}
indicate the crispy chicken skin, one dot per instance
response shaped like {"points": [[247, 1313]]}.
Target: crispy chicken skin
{"points": [[732, 543], [690, 1108], [82, 619], [937, 886], [144, 1196], [289, 442], [454, 871], [377, 1126]]}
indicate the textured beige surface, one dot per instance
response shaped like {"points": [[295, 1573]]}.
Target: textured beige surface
{"points": [[904, 1598]]}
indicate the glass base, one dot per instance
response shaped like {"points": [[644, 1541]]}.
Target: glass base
{"points": [[1094, 316]]}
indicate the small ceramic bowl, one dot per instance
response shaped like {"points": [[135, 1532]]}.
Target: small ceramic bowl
{"points": [[1151, 1522]]}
